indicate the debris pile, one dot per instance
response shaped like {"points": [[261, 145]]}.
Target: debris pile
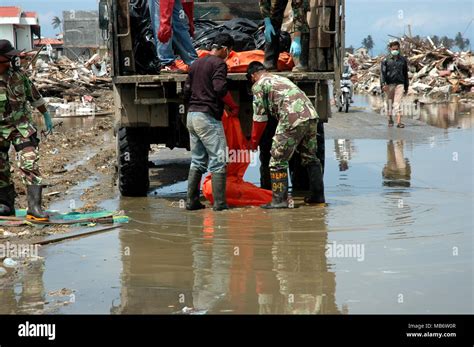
{"points": [[433, 71], [66, 78]]}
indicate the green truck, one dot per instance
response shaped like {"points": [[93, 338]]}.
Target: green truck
{"points": [[149, 108]]}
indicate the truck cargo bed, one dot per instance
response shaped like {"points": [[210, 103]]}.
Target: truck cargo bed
{"points": [[174, 77]]}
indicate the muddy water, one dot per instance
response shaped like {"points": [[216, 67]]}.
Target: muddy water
{"points": [[396, 237]]}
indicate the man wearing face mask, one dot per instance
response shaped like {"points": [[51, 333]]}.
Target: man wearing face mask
{"points": [[394, 82], [17, 129], [206, 92]]}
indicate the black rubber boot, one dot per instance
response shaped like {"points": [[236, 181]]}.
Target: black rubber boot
{"points": [[7, 200], [303, 60], [272, 53], [279, 189], [265, 180], [316, 184], [35, 211], [218, 191], [194, 183]]}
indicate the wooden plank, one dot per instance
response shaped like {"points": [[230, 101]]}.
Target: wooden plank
{"points": [[74, 234]]}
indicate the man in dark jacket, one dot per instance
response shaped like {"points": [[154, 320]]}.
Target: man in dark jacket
{"points": [[206, 93], [394, 82]]}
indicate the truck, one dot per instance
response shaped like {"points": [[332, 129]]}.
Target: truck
{"points": [[149, 108]]}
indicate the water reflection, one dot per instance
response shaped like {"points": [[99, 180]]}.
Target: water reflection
{"points": [[307, 285], [455, 113], [397, 174], [447, 115], [260, 263], [26, 295], [397, 170], [343, 151]]}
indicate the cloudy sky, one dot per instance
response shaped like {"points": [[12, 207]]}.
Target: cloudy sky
{"points": [[376, 17]]}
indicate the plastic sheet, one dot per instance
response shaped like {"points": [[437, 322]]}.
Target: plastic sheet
{"points": [[238, 192], [248, 35], [144, 48], [239, 61]]}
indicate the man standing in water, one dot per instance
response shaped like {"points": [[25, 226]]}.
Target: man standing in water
{"points": [[206, 93], [278, 97]]}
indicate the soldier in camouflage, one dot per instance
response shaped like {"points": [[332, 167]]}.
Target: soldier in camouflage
{"points": [[273, 12], [17, 129], [278, 97]]}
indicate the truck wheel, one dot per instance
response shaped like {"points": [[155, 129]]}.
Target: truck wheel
{"points": [[132, 162]]}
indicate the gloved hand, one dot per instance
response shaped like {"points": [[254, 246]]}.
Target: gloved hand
{"points": [[257, 131], [269, 30], [230, 103], [166, 15], [188, 7], [48, 121], [295, 49]]}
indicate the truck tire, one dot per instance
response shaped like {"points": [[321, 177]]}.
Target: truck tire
{"points": [[132, 162]]}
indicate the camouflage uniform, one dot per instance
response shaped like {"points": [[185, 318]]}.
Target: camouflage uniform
{"points": [[278, 97], [275, 10], [17, 128]]}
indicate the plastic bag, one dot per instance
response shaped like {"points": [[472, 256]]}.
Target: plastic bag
{"points": [[238, 192], [144, 48]]}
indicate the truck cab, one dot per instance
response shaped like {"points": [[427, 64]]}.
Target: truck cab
{"points": [[149, 108]]}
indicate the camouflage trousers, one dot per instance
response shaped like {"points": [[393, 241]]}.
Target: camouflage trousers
{"points": [[27, 155], [276, 9], [301, 139]]}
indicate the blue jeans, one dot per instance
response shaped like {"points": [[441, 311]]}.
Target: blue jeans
{"points": [[208, 143], [180, 39]]}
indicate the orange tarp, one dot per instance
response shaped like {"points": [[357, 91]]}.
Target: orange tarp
{"points": [[239, 61], [238, 192]]}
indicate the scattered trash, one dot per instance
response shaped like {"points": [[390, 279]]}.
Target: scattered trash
{"points": [[3, 272], [6, 233], [191, 310], [10, 263], [61, 292]]}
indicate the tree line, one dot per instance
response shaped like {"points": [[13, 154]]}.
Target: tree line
{"points": [[458, 41]]}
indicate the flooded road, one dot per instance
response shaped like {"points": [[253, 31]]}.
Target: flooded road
{"points": [[396, 237]]}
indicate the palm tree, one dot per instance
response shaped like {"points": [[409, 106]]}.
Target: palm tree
{"points": [[56, 23]]}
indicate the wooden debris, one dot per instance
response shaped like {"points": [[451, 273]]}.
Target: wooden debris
{"points": [[66, 78], [433, 71]]}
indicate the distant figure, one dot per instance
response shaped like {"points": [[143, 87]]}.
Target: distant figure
{"points": [[394, 82]]}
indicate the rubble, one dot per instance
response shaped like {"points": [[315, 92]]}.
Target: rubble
{"points": [[433, 71], [65, 78]]}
